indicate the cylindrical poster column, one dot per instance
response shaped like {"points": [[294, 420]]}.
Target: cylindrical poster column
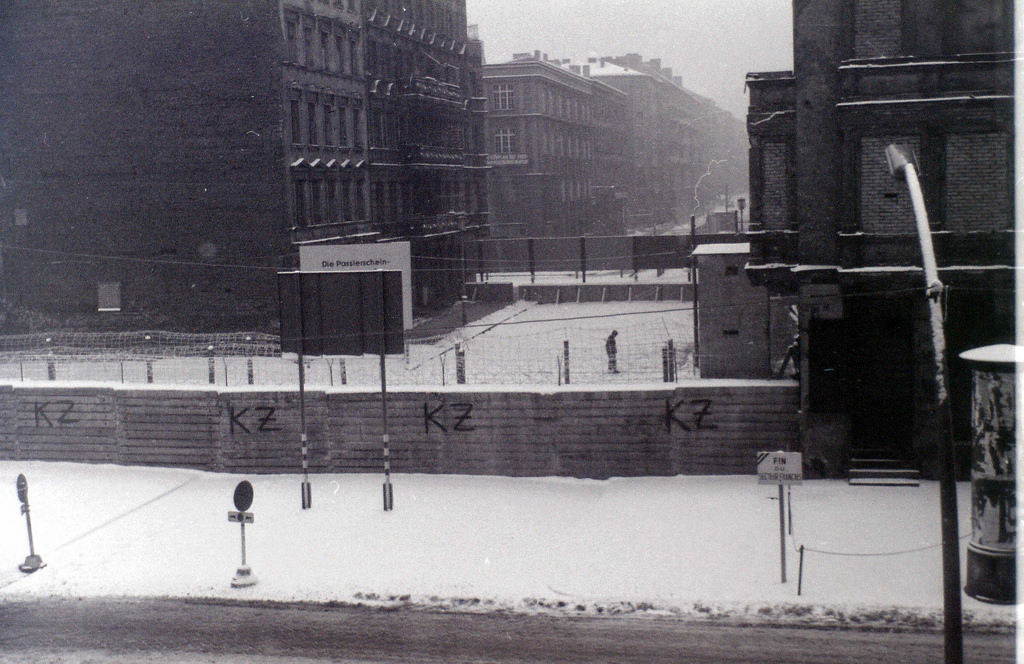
{"points": [[991, 574]]}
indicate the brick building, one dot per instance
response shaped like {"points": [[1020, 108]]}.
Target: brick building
{"points": [[830, 225], [425, 118], [159, 167], [548, 149]]}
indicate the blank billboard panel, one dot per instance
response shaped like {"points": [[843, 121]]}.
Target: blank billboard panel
{"points": [[341, 313]]}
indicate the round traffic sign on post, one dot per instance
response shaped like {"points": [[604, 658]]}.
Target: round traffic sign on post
{"points": [[22, 489], [243, 496]]}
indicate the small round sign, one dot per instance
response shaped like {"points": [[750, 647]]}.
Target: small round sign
{"points": [[243, 496], [22, 489]]}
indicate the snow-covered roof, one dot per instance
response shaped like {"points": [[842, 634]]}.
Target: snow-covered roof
{"points": [[722, 248]]}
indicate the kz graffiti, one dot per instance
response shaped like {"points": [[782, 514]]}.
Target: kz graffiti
{"points": [[60, 411], [259, 419], [692, 419], [455, 414]]}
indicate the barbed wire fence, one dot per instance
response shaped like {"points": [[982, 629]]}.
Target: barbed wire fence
{"points": [[505, 351]]}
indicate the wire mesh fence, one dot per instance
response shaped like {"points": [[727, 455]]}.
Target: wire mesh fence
{"points": [[522, 345]]}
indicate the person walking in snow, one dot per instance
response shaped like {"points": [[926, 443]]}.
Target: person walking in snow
{"points": [[609, 347]]}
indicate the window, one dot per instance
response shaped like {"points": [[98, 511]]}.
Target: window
{"points": [[299, 218], [311, 122], [328, 124], [360, 201], [108, 296], [357, 129], [316, 201], [346, 201], [343, 127], [732, 270], [333, 213], [293, 106], [339, 45], [290, 32], [307, 47], [504, 141], [353, 55], [325, 51], [504, 97]]}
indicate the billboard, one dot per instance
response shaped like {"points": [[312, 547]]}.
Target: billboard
{"points": [[341, 313], [363, 258]]}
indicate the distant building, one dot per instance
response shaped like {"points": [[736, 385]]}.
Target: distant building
{"points": [[831, 226], [684, 150], [541, 124], [159, 166]]}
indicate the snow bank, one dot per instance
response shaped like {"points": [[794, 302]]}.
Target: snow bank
{"points": [[683, 545]]}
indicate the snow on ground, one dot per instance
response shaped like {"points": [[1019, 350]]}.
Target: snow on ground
{"points": [[521, 344], [575, 278], [686, 545]]}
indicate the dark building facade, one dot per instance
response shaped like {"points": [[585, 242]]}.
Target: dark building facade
{"points": [[547, 148], [142, 171], [427, 155], [831, 226], [157, 169]]}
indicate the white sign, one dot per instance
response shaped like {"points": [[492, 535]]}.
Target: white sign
{"points": [[780, 468], [363, 258], [508, 159]]}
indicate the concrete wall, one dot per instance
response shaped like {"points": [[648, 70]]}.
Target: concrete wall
{"points": [[700, 427]]}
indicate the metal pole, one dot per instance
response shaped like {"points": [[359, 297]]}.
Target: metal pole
{"points": [[388, 490], [307, 494], [900, 164], [693, 286], [28, 522], [782, 532], [242, 523], [800, 573]]}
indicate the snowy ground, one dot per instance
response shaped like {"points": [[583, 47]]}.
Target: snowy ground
{"points": [[522, 344], [573, 278], [690, 546]]}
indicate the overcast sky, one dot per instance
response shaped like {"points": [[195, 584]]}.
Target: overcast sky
{"points": [[712, 44]]}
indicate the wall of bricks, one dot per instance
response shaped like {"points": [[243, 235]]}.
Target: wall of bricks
{"points": [[877, 28], [978, 182], [777, 174], [148, 130], [885, 205], [700, 427]]}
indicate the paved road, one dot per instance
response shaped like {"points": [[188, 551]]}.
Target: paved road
{"points": [[171, 631]]}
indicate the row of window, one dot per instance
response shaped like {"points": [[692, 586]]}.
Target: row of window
{"points": [[387, 131], [313, 122], [552, 102], [330, 46], [324, 200], [559, 144], [387, 60]]}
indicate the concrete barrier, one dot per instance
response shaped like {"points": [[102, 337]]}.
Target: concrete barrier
{"points": [[698, 427]]}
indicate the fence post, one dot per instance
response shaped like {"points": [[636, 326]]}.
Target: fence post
{"points": [[671, 361], [583, 257], [249, 371], [664, 364], [211, 366], [341, 371], [149, 371], [51, 370], [533, 264], [460, 364], [565, 354]]}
